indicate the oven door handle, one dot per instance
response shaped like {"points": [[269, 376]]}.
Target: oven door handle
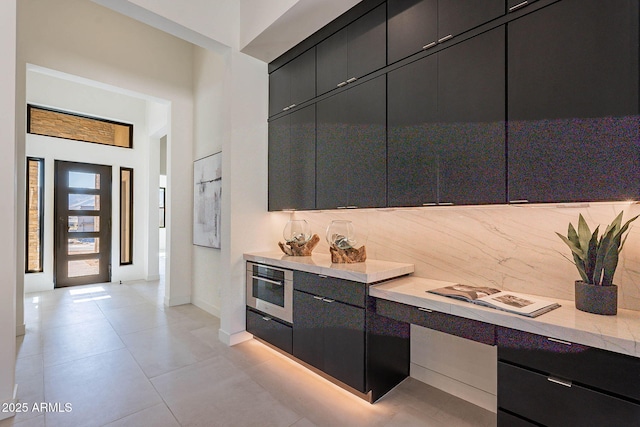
{"points": [[274, 282]]}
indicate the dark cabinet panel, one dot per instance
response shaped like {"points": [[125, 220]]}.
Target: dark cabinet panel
{"points": [[471, 111], [292, 160], [270, 330], [351, 147], [354, 51], [605, 370], [293, 83], [412, 25], [412, 118], [330, 335], [513, 5], [346, 291], [506, 419], [557, 402], [458, 16], [573, 103], [446, 126]]}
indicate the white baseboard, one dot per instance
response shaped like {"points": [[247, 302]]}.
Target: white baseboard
{"points": [[233, 339], [170, 302], [209, 308], [8, 402], [21, 330], [459, 389]]}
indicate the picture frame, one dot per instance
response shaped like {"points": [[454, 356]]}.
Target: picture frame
{"points": [[207, 203]]}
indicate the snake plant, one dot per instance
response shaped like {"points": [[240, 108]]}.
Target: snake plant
{"points": [[597, 257]]}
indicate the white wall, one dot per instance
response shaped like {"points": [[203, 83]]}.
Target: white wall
{"points": [[64, 94], [8, 209], [81, 38]]}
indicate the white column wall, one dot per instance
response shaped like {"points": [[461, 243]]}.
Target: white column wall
{"points": [[7, 209]]}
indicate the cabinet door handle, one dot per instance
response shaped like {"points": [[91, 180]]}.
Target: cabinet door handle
{"points": [[341, 207], [352, 207], [559, 341], [342, 84], [318, 298], [292, 105], [328, 300], [426, 310], [519, 201], [445, 38], [286, 108], [322, 276], [429, 45], [559, 381], [352, 79], [445, 204], [266, 319], [429, 204], [518, 6]]}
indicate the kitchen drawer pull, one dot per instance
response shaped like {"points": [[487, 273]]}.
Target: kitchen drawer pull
{"points": [[352, 79], [341, 207], [342, 84], [322, 276], [429, 204], [559, 381], [559, 341], [518, 6], [426, 310], [352, 207], [519, 201], [265, 318], [328, 300], [317, 297], [445, 204], [274, 282], [286, 108], [445, 38], [429, 45], [292, 105]]}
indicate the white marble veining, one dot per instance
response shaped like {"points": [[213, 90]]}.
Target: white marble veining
{"points": [[620, 333], [507, 247], [370, 271]]}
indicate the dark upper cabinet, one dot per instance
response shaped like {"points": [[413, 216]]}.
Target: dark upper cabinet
{"points": [[573, 126], [293, 83], [415, 25], [513, 5], [351, 147], [292, 160], [412, 118], [458, 16], [412, 25], [446, 126], [471, 113], [356, 50]]}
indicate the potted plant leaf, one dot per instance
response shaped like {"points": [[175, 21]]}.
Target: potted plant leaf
{"points": [[596, 259]]}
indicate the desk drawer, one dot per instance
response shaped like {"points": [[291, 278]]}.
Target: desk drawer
{"points": [[505, 419], [346, 291], [545, 400], [450, 324], [613, 372]]}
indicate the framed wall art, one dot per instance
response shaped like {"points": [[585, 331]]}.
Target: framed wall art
{"points": [[207, 194]]}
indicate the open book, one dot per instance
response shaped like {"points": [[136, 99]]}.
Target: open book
{"points": [[512, 302]]}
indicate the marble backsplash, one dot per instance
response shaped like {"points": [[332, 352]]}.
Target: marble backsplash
{"points": [[508, 247]]}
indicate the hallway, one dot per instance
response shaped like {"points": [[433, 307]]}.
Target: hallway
{"points": [[120, 358]]}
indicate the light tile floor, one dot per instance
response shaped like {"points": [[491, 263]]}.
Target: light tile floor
{"points": [[121, 358]]}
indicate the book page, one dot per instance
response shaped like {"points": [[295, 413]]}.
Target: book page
{"points": [[465, 292], [514, 302]]}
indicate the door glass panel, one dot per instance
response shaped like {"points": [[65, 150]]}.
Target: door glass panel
{"points": [[85, 245], [84, 202], [84, 180], [84, 224], [85, 267]]}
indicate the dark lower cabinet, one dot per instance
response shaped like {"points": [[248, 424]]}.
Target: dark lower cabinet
{"points": [[573, 123], [270, 330], [292, 168], [330, 335], [553, 382], [351, 147]]}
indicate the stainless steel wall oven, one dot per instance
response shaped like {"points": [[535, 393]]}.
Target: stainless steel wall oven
{"points": [[270, 290]]}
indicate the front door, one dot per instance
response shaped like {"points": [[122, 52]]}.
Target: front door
{"points": [[82, 223]]}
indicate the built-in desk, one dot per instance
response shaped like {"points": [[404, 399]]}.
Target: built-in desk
{"points": [[565, 367]]}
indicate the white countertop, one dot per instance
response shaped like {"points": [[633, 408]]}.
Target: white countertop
{"points": [[370, 271], [620, 333]]}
